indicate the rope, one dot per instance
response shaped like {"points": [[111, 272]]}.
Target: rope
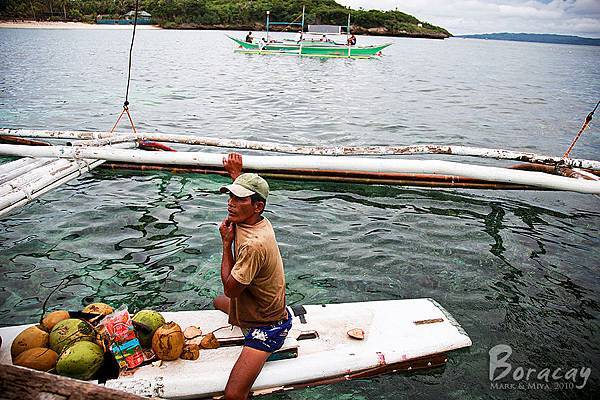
{"points": [[126, 103], [588, 119], [130, 52]]}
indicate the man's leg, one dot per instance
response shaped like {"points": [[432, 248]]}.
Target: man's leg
{"points": [[244, 373], [221, 302]]}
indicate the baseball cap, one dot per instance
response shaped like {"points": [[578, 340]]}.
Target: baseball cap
{"points": [[246, 185]]}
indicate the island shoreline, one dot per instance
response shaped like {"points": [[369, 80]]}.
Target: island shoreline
{"points": [[27, 24]]}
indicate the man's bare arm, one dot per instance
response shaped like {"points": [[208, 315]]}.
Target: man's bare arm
{"points": [[231, 287], [233, 164]]}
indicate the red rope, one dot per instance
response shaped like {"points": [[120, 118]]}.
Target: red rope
{"points": [[588, 119]]}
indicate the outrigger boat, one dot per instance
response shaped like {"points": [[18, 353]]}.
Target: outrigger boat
{"points": [[315, 49], [307, 45], [330, 342]]}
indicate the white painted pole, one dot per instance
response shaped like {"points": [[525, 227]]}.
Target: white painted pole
{"points": [[52, 168], [27, 194], [500, 154], [15, 168], [46, 174], [319, 163], [348, 35]]}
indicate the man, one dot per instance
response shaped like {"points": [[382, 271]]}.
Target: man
{"points": [[352, 40], [249, 37], [252, 276]]}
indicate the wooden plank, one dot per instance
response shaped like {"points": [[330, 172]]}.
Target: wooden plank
{"points": [[18, 383]]}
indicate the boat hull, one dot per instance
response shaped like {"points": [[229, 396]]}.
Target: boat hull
{"points": [[398, 334]]}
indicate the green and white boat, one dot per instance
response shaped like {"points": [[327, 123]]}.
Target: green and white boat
{"points": [[316, 42], [315, 49]]}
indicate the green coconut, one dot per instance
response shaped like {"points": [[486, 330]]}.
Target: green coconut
{"points": [[153, 320], [69, 331], [80, 360]]}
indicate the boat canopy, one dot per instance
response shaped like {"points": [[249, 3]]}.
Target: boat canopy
{"points": [[326, 29]]}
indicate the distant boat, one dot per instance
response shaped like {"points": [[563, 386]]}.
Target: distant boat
{"points": [[307, 48], [315, 42]]}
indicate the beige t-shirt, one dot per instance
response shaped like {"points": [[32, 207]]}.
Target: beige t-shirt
{"points": [[258, 264]]}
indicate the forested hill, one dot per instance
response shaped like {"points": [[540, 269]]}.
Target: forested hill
{"points": [[534, 37], [225, 14]]}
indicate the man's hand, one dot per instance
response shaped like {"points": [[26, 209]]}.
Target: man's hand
{"points": [[227, 231], [233, 164]]}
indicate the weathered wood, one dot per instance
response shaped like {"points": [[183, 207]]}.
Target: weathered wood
{"points": [[20, 383], [500, 154]]}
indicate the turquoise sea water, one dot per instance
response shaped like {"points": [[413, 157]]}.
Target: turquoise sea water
{"points": [[515, 268]]}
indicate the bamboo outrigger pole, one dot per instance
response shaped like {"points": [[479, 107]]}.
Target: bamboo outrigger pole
{"points": [[500, 154], [318, 163], [25, 179], [35, 183]]}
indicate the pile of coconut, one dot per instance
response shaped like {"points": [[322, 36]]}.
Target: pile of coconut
{"points": [[71, 344]]}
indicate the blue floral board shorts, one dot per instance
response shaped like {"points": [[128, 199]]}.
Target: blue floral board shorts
{"points": [[268, 338]]}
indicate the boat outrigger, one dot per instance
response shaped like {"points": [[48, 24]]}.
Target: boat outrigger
{"points": [[316, 42], [44, 165]]}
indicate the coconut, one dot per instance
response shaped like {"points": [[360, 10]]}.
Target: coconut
{"points": [[190, 352], [98, 308], [192, 332], [153, 320], [70, 331], [209, 342], [54, 318], [34, 336], [38, 358], [356, 333], [80, 360], [193, 335], [167, 342]]}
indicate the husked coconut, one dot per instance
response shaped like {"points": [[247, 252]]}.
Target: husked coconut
{"points": [[190, 352], [192, 332], [209, 341], [54, 318], [193, 335], [34, 336], [38, 358], [356, 333], [98, 308], [168, 341]]}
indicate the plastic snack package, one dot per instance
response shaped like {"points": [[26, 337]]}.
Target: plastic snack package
{"points": [[118, 331]]}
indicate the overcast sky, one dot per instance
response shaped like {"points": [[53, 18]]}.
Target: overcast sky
{"points": [[567, 17]]}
